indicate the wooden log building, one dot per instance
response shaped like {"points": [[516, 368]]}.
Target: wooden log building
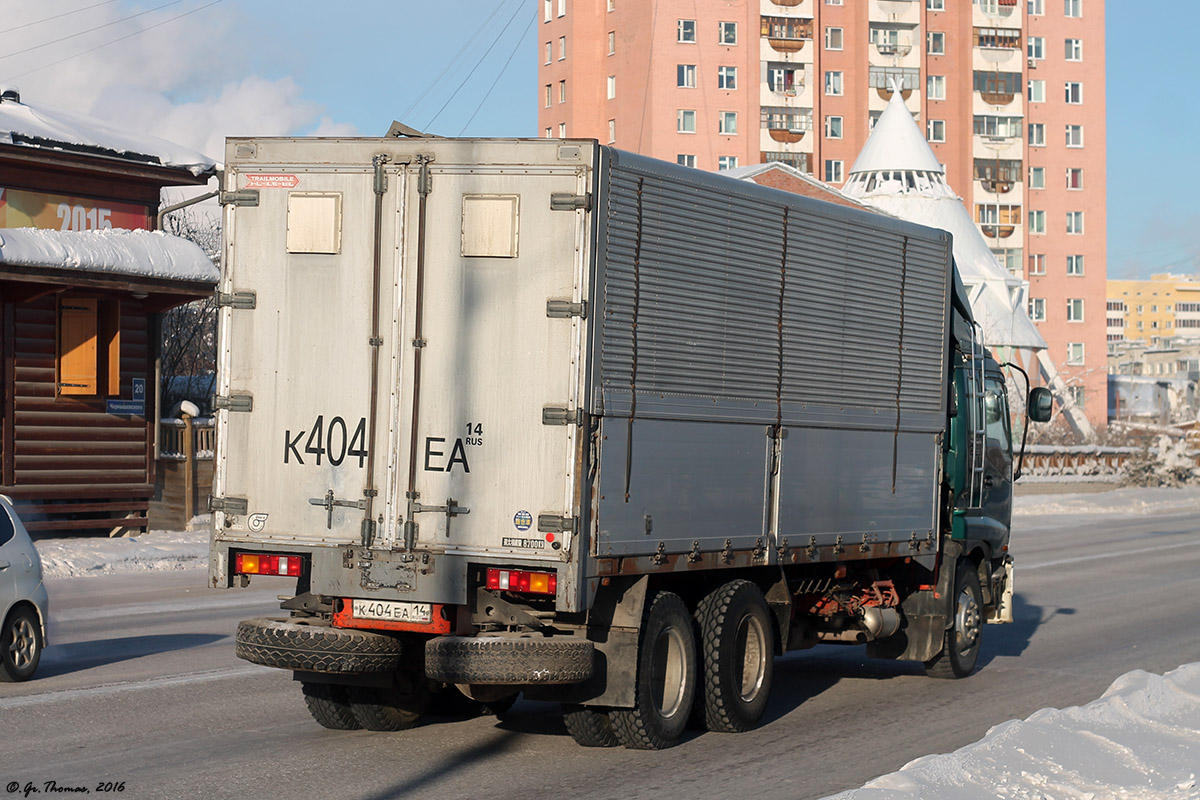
{"points": [[83, 282]]}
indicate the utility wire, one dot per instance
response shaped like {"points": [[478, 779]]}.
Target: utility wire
{"points": [[114, 41], [477, 65], [56, 16], [90, 30], [453, 61], [517, 46]]}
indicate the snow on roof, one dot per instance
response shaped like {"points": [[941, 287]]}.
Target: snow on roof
{"points": [[816, 188], [52, 129], [142, 254], [896, 143]]}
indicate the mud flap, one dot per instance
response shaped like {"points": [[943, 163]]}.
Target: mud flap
{"points": [[926, 617]]}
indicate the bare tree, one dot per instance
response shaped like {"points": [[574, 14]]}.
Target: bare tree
{"points": [[189, 331]]}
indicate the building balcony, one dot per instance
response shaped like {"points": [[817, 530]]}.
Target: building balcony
{"points": [[786, 34], [997, 187], [893, 48], [998, 98], [787, 3], [786, 135], [997, 231], [783, 45], [886, 94]]}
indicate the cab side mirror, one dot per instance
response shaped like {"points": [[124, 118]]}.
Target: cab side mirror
{"points": [[1040, 404]]}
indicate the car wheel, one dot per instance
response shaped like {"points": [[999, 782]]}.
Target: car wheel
{"points": [[20, 645]]}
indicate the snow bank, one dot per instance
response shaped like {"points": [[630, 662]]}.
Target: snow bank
{"points": [[155, 550], [1139, 741], [1134, 501], [145, 254]]}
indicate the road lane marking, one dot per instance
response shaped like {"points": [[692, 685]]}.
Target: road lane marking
{"points": [[199, 604], [109, 689], [1120, 554]]}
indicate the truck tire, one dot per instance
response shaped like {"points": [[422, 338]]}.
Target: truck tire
{"points": [[589, 727], [310, 647], [20, 645], [665, 686], [328, 705], [737, 652], [397, 707], [513, 661], [960, 648]]}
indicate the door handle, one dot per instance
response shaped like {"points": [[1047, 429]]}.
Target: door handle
{"points": [[4, 565]]}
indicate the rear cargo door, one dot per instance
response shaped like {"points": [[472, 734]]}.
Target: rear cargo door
{"points": [[489, 406], [297, 349]]}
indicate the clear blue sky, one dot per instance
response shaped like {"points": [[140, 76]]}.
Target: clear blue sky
{"points": [[194, 71]]}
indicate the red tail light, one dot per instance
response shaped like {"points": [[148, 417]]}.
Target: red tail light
{"points": [[264, 564], [518, 580]]}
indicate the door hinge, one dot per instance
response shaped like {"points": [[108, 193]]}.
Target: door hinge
{"points": [[233, 402], [570, 202], [553, 415], [242, 197], [562, 309], [237, 299], [229, 505], [549, 523]]}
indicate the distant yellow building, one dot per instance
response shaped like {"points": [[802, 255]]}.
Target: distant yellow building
{"points": [[1165, 305]]}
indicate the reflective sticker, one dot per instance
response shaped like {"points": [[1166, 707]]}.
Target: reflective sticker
{"points": [[522, 520], [257, 522]]}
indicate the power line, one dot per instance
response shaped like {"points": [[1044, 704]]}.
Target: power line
{"points": [[453, 61], [56, 16], [517, 46], [90, 30], [477, 65], [114, 41]]}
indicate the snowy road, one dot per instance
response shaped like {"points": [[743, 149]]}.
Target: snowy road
{"points": [[142, 686]]}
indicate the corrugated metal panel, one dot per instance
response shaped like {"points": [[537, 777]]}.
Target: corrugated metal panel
{"points": [[695, 260]]}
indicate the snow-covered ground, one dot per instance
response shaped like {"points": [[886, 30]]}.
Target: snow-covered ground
{"points": [[1139, 741]]}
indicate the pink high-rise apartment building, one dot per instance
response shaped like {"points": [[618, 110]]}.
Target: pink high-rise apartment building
{"points": [[1010, 94]]}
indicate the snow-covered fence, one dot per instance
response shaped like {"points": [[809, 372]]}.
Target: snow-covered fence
{"points": [[184, 471], [1102, 462]]}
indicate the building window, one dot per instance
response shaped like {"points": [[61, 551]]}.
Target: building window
{"points": [[685, 160], [1036, 47], [998, 127], [1037, 134], [1075, 265], [935, 87], [833, 83], [1037, 309], [1078, 393], [612, 5], [686, 30], [1072, 8], [1037, 177], [726, 162], [562, 130], [548, 95], [1074, 136], [612, 42], [935, 5], [612, 130], [1037, 91], [1037, 264], [685, 121], [833, 39], [1074, 49], [1074, 178], [685, 76], [833, 170], [547, 133], [1075, 222], [833, 2], [1009, 258], [562, 91], [562, 47], [547, 10], [727, 32], [727, 123], [1075, 311], [935, 130], [833, 127], [1037, 221], [612, 86], [726, 77], [549, 52], [1074, 92], [1036, 8], [1075, 353], [89, 346], [935, 43], [562, 8], [786, 79]]}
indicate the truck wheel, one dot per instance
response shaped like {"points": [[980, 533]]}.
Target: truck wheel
{"points": [[589, 727], [309, 647], [20, 645], [737, 651], [960, 649], [508, 661], [666, 678], [397, 707], [328, 705]]}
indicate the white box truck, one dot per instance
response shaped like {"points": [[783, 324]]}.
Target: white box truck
{"points": [[543, 416]]}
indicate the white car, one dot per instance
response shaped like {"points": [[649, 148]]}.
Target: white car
{"points": [[23, 601]]}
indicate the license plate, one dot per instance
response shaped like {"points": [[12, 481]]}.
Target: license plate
{"points": [[393, 611]]}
